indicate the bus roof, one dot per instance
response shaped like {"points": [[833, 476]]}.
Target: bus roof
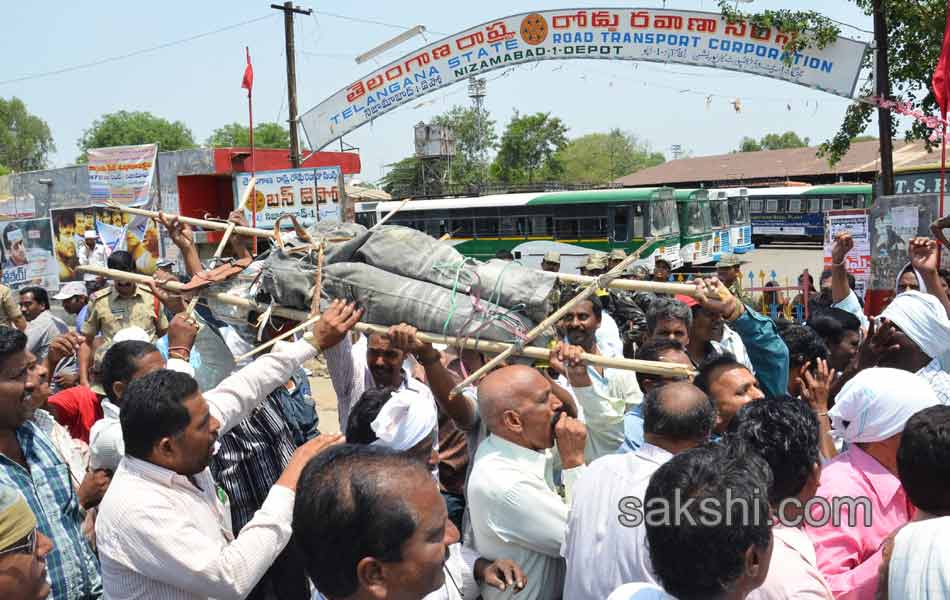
{"points": [[525, 199], [813, 190], [694, 194]]}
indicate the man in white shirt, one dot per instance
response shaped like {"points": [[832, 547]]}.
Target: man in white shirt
{"points": [[709, 527], [42, 325], [603, 395], [515, 512], [602, 553], [92, 253], [372, 362], [164, 527], [785, 433]]}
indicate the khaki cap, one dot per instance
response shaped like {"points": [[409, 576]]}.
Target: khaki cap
{"points": [[617, 254], [596, 260], [552, 257]]}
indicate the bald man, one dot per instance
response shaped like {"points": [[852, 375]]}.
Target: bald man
{"points": [[606, 544], [515, 511]]}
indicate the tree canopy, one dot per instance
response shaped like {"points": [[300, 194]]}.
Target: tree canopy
{"points": [[604, 157], [236, 135], [773, 141], [125, 128], [474, 133], [25, 139], [529, 148]]}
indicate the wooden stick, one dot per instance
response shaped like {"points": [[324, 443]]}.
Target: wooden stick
{"points": [[633, 285], [216, 225], [644, 366], [391, 213], [552, 319]]}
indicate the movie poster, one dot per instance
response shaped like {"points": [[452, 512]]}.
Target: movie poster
{"points": [[116, 230], [27, 254]]}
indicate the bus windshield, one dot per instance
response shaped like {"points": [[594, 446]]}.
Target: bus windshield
{"points": [[739, 210], [663, 218], [696, 218], [719, 213]]}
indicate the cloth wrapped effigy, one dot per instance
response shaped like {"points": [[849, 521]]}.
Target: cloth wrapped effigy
{"points": [[400, 275]]}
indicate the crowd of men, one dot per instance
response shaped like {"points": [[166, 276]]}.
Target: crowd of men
{"points": [[140, 458]]}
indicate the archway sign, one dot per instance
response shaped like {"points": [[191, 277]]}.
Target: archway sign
{"points": [[657, 35]]}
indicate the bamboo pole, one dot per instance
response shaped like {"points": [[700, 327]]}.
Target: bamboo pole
{"points": [[644, 366], [217, 225], [391, 213], [634, 285], [551, 320]]}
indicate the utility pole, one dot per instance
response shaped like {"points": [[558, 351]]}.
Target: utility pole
{"points": [[882, 89], [289, 10], [476, 91]]}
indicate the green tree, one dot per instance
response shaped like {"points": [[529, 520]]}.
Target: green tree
{"points": [[529, 149], [773, 141], [125, 128], [474, 136], [411, 177], [603, 157], [25, 140], [235, 135]]}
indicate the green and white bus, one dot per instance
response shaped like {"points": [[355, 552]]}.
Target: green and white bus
{"points": [[740, 223], [719, 219], [696, 234], [572, 223]]}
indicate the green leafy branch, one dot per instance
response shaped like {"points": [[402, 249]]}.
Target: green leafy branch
{"points": [[804, 28]]}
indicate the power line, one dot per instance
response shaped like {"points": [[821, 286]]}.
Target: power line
{"points": [[370, 21], [119, 57]]}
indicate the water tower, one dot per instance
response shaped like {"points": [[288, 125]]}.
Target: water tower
{"points": [[434, 147]]}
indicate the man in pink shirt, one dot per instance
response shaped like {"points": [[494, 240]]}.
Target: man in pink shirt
{"points": [[865, 500]]}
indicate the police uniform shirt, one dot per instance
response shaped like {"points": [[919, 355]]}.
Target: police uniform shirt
{"points": [[9, 309], [111, 313]]}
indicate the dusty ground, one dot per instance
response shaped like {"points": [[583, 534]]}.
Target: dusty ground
{"points": [[322, 391]]}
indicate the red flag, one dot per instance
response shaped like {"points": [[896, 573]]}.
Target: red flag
{"points": [[941, 78], [248, 81]]}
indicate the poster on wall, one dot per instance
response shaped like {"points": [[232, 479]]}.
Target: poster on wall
{"points": [[308, 194], [858, 260], [118, 231], [121, 174], [27, 254]]}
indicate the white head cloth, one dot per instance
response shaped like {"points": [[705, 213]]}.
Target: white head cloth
{"points": [[404, 421], [132, 333], [877, 403], [910, 267], [920, 561], [923, 319]]}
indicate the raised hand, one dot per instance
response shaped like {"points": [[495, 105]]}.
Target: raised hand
{"points": [[335, 323], [180, 234], [924, 255], [844, 243]]}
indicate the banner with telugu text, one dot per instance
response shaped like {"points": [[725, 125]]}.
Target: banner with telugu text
{"points": [[308, 194], [858, 260], [121, 174], [27, 254], [657, 35]]}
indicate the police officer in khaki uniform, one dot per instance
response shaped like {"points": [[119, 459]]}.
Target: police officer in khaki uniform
{"points": [[729, 272], [10, 309], [123, 304]]}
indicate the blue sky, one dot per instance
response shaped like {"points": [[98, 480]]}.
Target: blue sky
{"points": [[198, 82]]}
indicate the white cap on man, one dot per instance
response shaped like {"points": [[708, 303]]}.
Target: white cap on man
{"points": [[91, 234], [73, 288]]}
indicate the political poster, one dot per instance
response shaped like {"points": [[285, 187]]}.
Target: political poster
{"points": [[858, 260], [118, 231], [308, 194], [642, 34], [121, 174], [27, 254]]}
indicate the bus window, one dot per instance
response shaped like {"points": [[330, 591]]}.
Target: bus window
{"points": [[592, 228], [771, 205], [621, 223], [756, 205], [695, 218], [541, 226], [366, 219], [639, 220], [512, 226], [837, 203], [462, 228], [794, 205], [565, 229], [849, 202], [738, 210], [719, 213], [662, 218], [814, 205], [827, 204], [486, 227], [435, 227]]}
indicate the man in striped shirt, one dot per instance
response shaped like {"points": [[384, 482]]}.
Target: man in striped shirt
{"points": [[29, 463]]}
